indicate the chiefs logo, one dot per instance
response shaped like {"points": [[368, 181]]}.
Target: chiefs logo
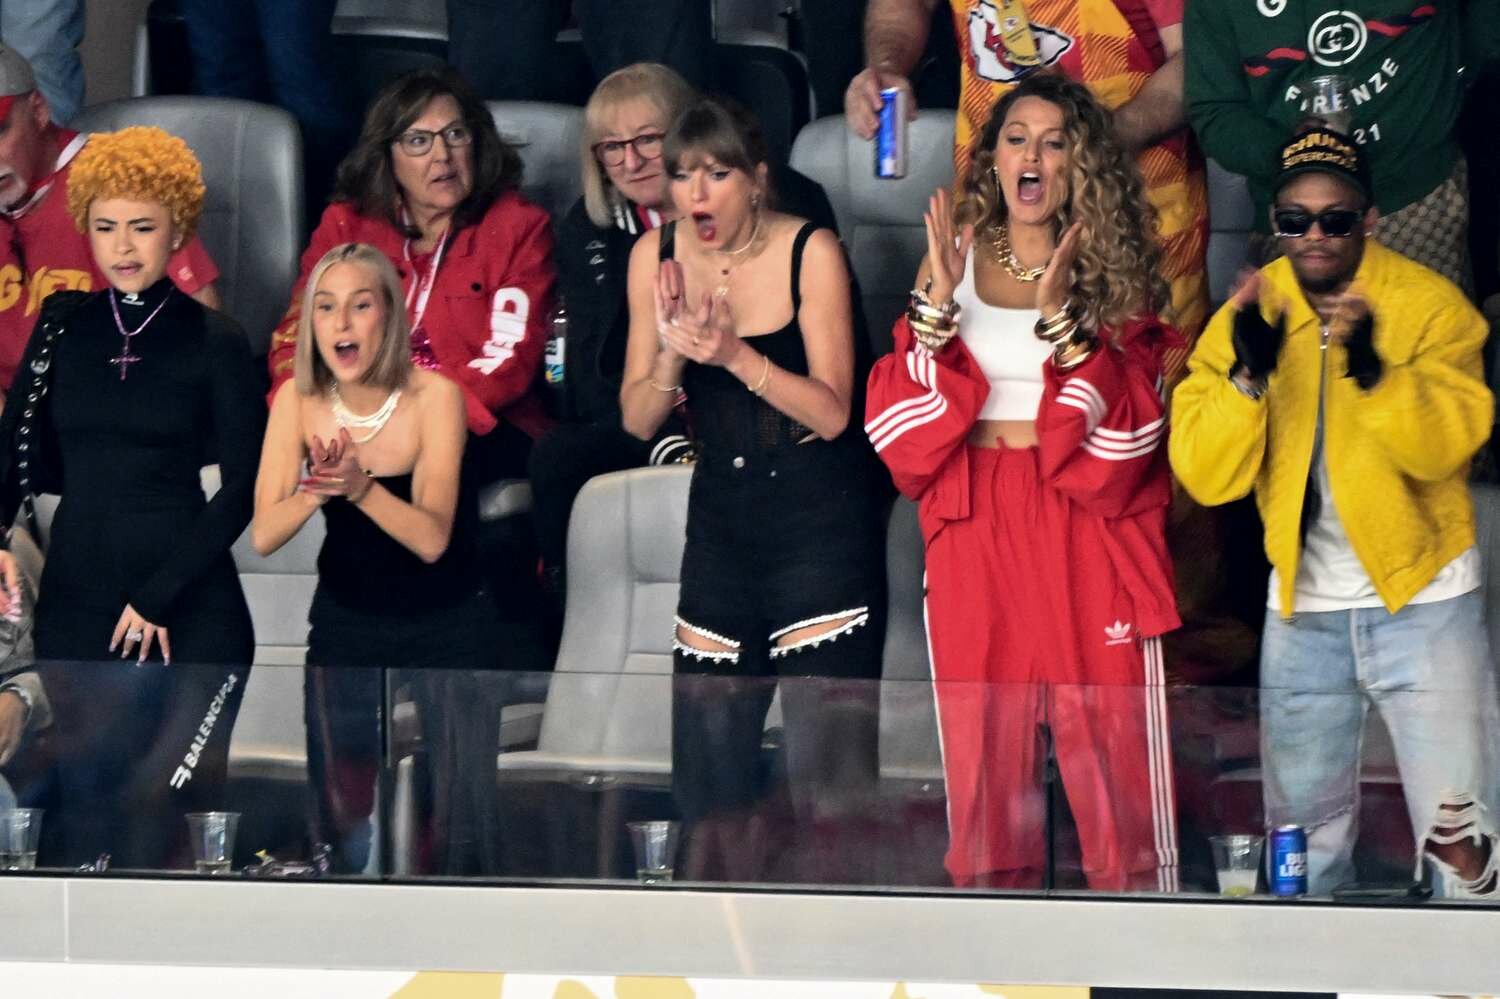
{"points": [[992, 62]]}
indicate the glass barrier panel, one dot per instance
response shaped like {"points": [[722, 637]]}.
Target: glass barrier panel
{"points": [[645, 778]]}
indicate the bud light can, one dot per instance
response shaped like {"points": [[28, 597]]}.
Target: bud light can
{"points": [[890, 136], [1288, 859]]}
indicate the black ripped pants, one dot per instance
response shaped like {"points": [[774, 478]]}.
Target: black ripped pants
{"points": [[779, 542]]}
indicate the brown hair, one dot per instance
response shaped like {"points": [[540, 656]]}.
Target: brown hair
{"points": [[720, 130], [366, 179], [392, 366], [1118, 271]]}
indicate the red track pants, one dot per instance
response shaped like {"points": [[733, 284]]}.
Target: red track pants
{"points": [[1031, 623]]}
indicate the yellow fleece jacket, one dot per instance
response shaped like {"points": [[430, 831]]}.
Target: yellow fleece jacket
{"points": [[1398, 455]]}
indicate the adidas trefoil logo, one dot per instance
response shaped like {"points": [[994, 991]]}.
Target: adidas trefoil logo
{"points": [[1117, 634]]}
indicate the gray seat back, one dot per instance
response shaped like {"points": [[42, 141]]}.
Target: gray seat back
{"points": [[252, 216], [547, 136], [909, 748], [610, 695], [1231, 217], [881, 220]]}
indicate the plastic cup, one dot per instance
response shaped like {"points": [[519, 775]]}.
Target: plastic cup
{"points": [[1328, 100], [1237, 862], [212, 834], [20, 829], [655, 845]]}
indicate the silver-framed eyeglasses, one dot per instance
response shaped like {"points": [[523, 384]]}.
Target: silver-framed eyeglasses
{"points": [[418, 141], [647, 146]]}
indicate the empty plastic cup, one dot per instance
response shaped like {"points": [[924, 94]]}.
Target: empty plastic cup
{"points": [[20, 829], [212, 834], [655, 850], [1237, 861]]}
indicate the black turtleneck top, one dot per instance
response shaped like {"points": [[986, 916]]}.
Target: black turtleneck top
{"points": [[124, 450]]}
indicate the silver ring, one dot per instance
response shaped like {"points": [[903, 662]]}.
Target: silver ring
{"points": [[134, 636]]}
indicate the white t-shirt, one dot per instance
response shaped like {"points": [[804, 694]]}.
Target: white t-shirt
{"points": [[1330, 576]]}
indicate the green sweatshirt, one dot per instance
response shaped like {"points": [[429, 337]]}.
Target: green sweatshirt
{"points": [[1248, 61]]}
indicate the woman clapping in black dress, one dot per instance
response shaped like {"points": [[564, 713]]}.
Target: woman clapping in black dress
{"points": [[124, 395]]}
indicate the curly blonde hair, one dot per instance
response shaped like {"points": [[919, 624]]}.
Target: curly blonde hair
{"points": [[1117, 275], [141, 164]]}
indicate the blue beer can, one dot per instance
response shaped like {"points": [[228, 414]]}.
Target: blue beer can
{"points": [[1288, 862], [890, 136]]}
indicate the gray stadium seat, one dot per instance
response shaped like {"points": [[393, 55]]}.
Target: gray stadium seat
{"points": [[269, 740], [881, 220], [908, 716], [547, 137], [1231, 216], [252, 218], [608, 716]]}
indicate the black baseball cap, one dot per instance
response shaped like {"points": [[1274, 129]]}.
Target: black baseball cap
{"points": [[1322, 150]]}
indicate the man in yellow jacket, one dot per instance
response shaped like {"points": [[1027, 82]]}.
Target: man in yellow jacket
{"points": [[1343, 383]]}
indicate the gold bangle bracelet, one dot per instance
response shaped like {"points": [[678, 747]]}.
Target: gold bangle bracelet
{"points": [[1056, 333], [922, 305], [1073, 353], [663, 388], [765, 379]]}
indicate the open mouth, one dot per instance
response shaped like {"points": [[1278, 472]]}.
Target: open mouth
{"points": [[1029, 189], [347, 351], [446, 177], [125, 270], [707, 227]]}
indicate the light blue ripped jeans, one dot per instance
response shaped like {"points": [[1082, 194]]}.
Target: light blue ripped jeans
{"points": [[1427, 669]]}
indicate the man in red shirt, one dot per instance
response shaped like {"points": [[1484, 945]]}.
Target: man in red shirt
{"points": [[41, 251]]}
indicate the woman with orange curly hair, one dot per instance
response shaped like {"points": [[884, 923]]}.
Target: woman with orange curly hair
{"points": [[124, 395], [1022, 409]]}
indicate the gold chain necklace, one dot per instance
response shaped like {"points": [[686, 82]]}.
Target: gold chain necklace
{"points": [[1000, 249], [733, 258]]}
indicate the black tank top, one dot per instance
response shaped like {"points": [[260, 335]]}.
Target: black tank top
{"points": [[364, 568], [724, 414]]}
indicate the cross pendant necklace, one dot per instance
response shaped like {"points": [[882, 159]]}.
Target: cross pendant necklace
{"points": [[126, 358]]}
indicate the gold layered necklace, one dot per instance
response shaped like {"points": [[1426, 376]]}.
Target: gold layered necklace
{"points": [[730, 259], [1005, 256]]}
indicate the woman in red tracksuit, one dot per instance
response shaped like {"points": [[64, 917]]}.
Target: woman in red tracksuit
{"points": [[1022, 408]]}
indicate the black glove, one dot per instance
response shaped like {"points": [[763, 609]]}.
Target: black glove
{"points": [[1256, 343], [1365, 366]]}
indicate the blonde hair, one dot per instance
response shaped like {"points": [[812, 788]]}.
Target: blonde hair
{"points": [[1117, 275], [648, 81], [142, 164], [392, 366]]}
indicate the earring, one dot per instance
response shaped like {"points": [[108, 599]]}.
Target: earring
{"points": [[755, 201]]}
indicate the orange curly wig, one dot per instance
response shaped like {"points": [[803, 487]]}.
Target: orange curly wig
{"points": [[141, 164]]}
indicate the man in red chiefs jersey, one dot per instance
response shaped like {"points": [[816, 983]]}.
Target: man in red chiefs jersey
{"points": [[40, 250]]}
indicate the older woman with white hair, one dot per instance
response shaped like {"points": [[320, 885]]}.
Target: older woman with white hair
{"points": [[624, 196]]}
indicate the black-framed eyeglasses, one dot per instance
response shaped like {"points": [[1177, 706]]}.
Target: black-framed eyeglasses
{"points": [[1335, 223], [418, 141], [647, 146]]}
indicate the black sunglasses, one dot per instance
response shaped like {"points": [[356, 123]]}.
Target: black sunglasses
{"points": [[1335, 223]]}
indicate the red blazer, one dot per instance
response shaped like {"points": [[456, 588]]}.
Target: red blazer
{"points": [[1101, 435], [487, 314]]}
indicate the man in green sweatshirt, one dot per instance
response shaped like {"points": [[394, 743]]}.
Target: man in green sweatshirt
{"points": [[1249, 63]]}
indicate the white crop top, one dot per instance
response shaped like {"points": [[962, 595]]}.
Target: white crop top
{"points": [[1004, 343]]}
